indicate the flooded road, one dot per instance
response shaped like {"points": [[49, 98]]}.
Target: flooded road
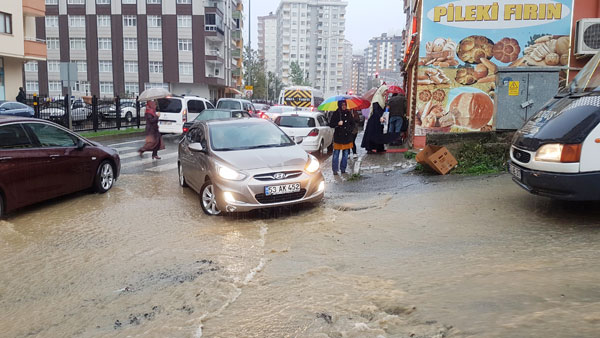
{"points": [[386, 256]]}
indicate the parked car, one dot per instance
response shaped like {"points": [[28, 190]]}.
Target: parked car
{"points": [[55, 111], [275, 111], [245, 164], [128, 110], [40, 160], [177, 110], [261, 110], [11, 108], [238, 104], [215, 114], [311, 130], [556, 152]]}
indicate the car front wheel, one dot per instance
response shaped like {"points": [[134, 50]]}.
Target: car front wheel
{"points": [[208, 199], [1, 207], [105, 177]]}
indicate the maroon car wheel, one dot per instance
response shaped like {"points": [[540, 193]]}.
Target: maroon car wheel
{"points": [[105, 177], [1, 206]]}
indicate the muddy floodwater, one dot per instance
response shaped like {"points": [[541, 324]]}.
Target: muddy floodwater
{"points": [[386, 256]]}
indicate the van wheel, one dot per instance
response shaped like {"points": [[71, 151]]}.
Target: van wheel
{"points": [[105, 177], [208, 199], [182, 182]]}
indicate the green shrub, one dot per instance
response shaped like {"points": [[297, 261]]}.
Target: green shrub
{"points": [[478, 159]]}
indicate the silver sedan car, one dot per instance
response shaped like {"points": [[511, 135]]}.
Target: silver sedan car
{"points": [[245, 164]]}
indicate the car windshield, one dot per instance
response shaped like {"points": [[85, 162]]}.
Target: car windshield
{"points": [[588, 79], [169, 105], [210, 114], [295, 121], [236, 136], [228, 104]]}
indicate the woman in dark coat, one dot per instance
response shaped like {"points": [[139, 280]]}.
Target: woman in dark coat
{"points": [[343, 122], [154, 140], [373, 138]]}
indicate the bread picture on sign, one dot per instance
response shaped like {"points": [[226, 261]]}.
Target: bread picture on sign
{"points": [[472, 109]]}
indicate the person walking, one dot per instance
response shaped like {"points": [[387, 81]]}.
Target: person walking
{"points": [[373, 137], [21, 97], [343, 123], [154, 140], [397, 105]]}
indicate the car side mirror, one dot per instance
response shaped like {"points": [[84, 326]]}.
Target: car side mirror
{"points": [[196, 146], [80, 144]]}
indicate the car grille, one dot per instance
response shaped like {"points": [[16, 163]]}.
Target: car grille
{"points": [[521, 156], [264, 199], [274, 176]]}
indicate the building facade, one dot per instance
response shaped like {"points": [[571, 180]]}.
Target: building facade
{"points": [[311, 33], [347, 70], [122, 47], [358, 80], [382, 58], [18, 43], [267, 41]]}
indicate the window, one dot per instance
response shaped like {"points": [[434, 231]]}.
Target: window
{"points": [[77, 21], [186, 68], [53, 66], [81, 66], [195, 106], [131, 66], [129, 21], [50, 136], [155, 66], [77, 43], [51, 21], [104, 44], [155, 44], [132, 88], [185, 45], [54, 86], [13, 136], [76, 2], [82, 86], [51, 2], [153, 2], [32, 86], [130, 44], [149, 85], [105, 66], [184, 21], [128, 2], [106, 87], [31, 66], [154, 21], [103, 2], [103, 20], [184, 2], [52, 43]]}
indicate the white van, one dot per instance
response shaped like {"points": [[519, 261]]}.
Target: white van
{"points": [[177, 110]]}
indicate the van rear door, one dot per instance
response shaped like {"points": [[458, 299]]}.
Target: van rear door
{"points": [[170, 119]]}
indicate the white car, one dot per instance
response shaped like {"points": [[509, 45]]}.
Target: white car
{"points": [[175, 111], [128, 110], [54, 111], [275, 111], [310, 129]]}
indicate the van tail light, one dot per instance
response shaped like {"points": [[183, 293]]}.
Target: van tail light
{"points": [[570, 153], [314, 132], [184, 115]]}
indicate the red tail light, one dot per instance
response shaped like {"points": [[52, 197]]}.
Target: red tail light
{"points": [[312, 108], [184, 115], [314, 132], [185, 130], [264, 116]]}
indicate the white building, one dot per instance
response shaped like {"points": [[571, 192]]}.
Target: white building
{"points": [[347, 71], [267, 41], [311, 32], [383, 56], [359, 83]]}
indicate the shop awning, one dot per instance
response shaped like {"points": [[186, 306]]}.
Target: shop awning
{"points": [[231, 90]]}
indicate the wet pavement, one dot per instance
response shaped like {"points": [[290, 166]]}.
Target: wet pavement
{"points": [[385, 255]]}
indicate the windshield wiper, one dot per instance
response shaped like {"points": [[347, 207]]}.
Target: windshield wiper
{"points": [[263, 146]]}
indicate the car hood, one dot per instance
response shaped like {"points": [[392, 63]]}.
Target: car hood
{"points": [[272, 158]]}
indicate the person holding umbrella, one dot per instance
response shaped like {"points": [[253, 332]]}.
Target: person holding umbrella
{"points": [[154, 141], [373, 138], [343, 123]]}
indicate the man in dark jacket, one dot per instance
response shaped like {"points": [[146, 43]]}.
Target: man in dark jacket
{"points": [[343, 139], [21, 97], [397, 106]]}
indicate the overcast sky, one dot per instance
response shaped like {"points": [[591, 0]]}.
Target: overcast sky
{"points": [[365, 19]]}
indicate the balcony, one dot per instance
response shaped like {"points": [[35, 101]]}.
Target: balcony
{"points": [[237, 15], [236, 53], [236, 72], [236, 35], [34, 7], [35, 49]]}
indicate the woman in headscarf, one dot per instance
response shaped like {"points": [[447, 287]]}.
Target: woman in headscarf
{"points": [[343, 123], [154, 140], [373, 138]]}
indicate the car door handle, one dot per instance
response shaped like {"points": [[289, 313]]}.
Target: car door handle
{"points": [[54, 156]]}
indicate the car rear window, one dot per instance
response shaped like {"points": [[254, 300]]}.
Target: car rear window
{"points": [[169, 105], [213, 115], [295, 121], [229, 105]]}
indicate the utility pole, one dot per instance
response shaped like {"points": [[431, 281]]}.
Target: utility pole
{"points": [[251, 63]]}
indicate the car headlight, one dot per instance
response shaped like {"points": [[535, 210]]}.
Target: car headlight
{"points": [[556, 152], [313, 164], [229, 174]]}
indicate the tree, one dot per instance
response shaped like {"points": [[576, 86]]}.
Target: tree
{"points": [[297, 75], [275, 85], [254, 73]]}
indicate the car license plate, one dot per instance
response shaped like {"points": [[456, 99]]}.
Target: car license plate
{"points": [[282, 189], [165, 123], [516, 172]]}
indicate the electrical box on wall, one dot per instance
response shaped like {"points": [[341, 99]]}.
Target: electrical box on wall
{"points": [[587, 36]]}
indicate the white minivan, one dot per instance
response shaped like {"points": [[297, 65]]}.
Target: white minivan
{"points": [[177, 110]]}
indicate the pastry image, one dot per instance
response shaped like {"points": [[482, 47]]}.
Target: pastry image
{"points": [[433, 115], [432, 76], [472, 48], [472, 110], [506, 50], [466, 76], [439, 95], [440, 52], [425, 95], [547, 50]]}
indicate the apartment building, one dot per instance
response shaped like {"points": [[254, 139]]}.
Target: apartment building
{"points": [[311, 32], [18, 43], [359, 74], [383, 56], [122, 47], [267, 41], [347, 70]]}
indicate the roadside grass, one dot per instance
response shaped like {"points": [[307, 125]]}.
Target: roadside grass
{"points": [[409, 155], [481, 158], [354, 177], [111, 132]]}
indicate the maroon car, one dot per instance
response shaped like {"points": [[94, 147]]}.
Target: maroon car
{"points": [[40, 160]]}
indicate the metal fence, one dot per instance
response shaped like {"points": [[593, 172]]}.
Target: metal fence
{"points": [[91, 114]]}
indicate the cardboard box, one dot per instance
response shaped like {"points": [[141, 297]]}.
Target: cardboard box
{"points": [[437, 158]]}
